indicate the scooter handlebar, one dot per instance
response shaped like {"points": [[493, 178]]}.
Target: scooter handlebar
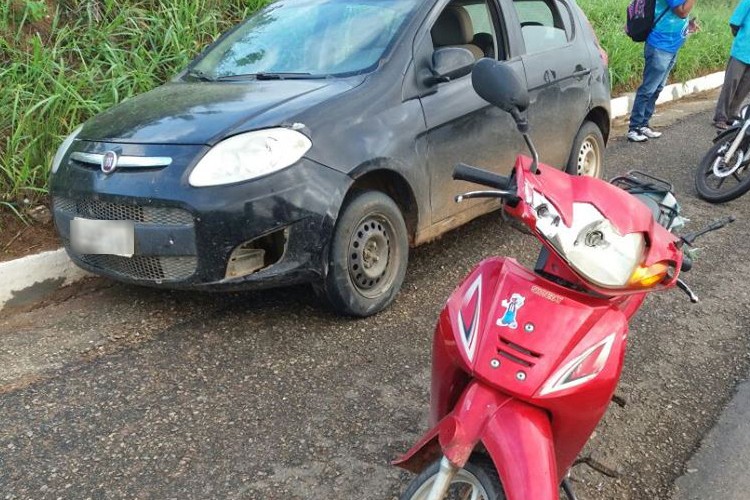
{"points": [[464, 172]]}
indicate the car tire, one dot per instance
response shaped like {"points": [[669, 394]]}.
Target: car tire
{"points": [[587, 154], [368, 255]]}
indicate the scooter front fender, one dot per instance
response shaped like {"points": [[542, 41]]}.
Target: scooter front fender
{"points": [[517, 436]]}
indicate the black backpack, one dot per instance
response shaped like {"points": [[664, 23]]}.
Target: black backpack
{"points": [[641, 19]]}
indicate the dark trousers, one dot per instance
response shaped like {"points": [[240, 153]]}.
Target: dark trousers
{"points": [[733, 92]]}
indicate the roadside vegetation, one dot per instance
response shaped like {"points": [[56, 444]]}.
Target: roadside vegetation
{"points": [[704, 52], [66, 60]]}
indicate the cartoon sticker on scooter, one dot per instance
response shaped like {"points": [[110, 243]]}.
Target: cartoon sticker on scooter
{"points": [[511, 306]]}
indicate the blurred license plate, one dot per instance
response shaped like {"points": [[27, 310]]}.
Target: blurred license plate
{"points": [[113, 237]]}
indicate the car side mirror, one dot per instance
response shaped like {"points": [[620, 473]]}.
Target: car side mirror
{"points": [[498, 84], [449, 63]]}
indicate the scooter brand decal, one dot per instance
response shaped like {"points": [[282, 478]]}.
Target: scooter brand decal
{"points": [[511, 305], [546, 294], [468, 317]]}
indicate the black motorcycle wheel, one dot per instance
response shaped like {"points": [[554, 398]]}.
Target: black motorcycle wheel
{"points": [[718, 182], [477, 477]]}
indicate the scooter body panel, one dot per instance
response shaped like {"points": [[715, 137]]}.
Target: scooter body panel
{"points": [[517, 354]]}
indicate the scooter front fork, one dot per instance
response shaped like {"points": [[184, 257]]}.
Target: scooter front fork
{"points": [[443, 479]]}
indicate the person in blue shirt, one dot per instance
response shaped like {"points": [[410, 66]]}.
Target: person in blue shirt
{"points": [[660, 53], [737, 77]]}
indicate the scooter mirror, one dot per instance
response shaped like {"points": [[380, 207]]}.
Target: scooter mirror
{"points": [[498, 84]]}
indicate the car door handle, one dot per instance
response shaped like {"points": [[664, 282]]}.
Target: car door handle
{"points": [[549, 76], [580, 73]]}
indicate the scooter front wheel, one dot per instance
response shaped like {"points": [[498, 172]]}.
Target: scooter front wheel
{"points": [[478, 480]]}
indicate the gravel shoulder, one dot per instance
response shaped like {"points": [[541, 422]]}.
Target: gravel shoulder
{"points": [[118, 391]]}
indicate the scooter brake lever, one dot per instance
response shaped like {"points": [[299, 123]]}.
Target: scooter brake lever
{"points": [[685, 288], [506, 195]]}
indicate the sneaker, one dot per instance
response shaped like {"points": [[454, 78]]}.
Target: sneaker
{"points": [[650, 133], [636, 136]]}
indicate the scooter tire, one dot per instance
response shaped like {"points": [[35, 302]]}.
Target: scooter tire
{"points": [[705, 170], [478, 472]]}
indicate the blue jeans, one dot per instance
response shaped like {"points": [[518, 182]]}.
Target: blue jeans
{"points": [[658, 64]]}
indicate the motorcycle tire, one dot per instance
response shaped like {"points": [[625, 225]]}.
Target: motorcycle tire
{"points": [[720, 189], [477, 476]]}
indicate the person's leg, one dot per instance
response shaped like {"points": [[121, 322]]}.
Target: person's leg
{"points": [[657, 64], [665, 61], [742, 87], [726, 106]]}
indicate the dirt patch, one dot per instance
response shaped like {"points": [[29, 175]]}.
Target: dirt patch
{"points": [[19, 238]]}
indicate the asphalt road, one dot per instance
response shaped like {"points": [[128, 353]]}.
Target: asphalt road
{"points": [[120, 392]]}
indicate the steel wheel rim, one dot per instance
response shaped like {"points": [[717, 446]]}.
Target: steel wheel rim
{"points": [[462, 480], [589, 158], [721, 169], [371, 255]]}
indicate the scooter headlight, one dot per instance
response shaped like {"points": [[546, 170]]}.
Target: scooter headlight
{"points": [[594, 248]]}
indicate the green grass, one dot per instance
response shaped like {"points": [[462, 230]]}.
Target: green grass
{"points": [[63, 61], [87, 55], [704, 52]]}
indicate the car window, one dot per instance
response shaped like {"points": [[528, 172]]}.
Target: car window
{"points": [[567, 18], [542, 25], [316, 37], [469, 25]]}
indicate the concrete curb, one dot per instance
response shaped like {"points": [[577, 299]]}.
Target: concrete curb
{"points": [[621, 105], [30, 278]]}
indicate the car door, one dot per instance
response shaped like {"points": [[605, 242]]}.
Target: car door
{"points": [[461, 126], [558, 68]]}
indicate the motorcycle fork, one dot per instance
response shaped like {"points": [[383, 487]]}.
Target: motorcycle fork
{"points": [[443, 479], [736, 142]]}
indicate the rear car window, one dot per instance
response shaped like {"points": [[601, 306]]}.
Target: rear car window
{"points": [[542, 26]]}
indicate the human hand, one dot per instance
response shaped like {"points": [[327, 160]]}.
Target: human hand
{"points": [[693, 26]]}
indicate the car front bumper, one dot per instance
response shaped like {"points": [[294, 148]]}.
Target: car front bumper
{"points": [[186, 236]]}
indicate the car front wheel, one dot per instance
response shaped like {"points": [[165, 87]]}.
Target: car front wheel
{"points": [[587, 155], [368, 256]]}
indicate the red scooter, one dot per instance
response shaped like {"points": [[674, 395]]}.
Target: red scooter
{"points": [[526, 362]]}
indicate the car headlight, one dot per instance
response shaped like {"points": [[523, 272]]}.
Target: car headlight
{"points": [[594, 248], [57, 160], [249, 155]]}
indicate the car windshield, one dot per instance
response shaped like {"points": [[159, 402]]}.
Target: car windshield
{"points": [[307, 39]]}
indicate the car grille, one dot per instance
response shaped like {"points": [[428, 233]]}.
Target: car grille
{"points": [[103, 210], [137, 267], [140, 267]]}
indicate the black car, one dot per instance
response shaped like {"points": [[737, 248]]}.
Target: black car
{"points": [[315, 141]]}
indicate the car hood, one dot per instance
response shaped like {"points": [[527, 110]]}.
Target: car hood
{"points": [[206, 112]]}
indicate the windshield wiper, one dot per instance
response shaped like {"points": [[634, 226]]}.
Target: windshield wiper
{"points": [[270, 76], [201, 75]]}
